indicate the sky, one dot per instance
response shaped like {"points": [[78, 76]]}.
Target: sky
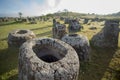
{"points": [[40, 7]]}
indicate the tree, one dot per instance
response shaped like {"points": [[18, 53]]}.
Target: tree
{"points": [[20, 14], [66, 11], [49, 15]]}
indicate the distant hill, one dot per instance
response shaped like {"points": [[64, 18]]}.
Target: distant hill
{"points": [[83, 15], [115, 14], [72, 14], [66, 14]]}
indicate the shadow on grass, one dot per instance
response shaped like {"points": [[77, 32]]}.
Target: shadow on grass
{"points": [[101, 56], [8, 60], [40, 28], [100, 59], [44, 34], [8, 23], [50, 36], [15, 77]]}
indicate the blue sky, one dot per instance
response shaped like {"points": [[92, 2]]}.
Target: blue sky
{"points": [[15, 6], [39, 7], [12, 6]]}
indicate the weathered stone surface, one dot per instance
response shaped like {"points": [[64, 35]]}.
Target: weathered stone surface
{"points": [[74, 25], [62, 18], [108, 36], [66, 21], [31, 20], [59, 30], [47, 59], [17, 37], [86, 21], [80, 43]]}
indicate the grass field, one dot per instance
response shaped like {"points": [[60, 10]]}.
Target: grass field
{"points": [[101, 59]]}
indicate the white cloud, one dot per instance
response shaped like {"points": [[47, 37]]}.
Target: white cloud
{"points": [[91, 6], [33, 9], [82, 6], [36, 9]]}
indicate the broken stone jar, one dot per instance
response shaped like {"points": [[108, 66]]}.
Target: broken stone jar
{"points": [[59, 31], [47, 59]]}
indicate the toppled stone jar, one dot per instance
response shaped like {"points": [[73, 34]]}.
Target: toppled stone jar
{"points": [[47, 59], [80, 44], [17, 37]]}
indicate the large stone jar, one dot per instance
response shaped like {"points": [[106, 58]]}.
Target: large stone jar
{"points": [[47, 59]]}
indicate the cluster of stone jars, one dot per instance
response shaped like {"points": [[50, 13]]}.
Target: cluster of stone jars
{"points": [[50, 58]]}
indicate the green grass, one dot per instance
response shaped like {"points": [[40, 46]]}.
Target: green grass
{"points": [[101, 59]]}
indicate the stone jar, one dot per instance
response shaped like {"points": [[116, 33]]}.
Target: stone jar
{"points": [[17, 37], [80, 43], [47, 59]]}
